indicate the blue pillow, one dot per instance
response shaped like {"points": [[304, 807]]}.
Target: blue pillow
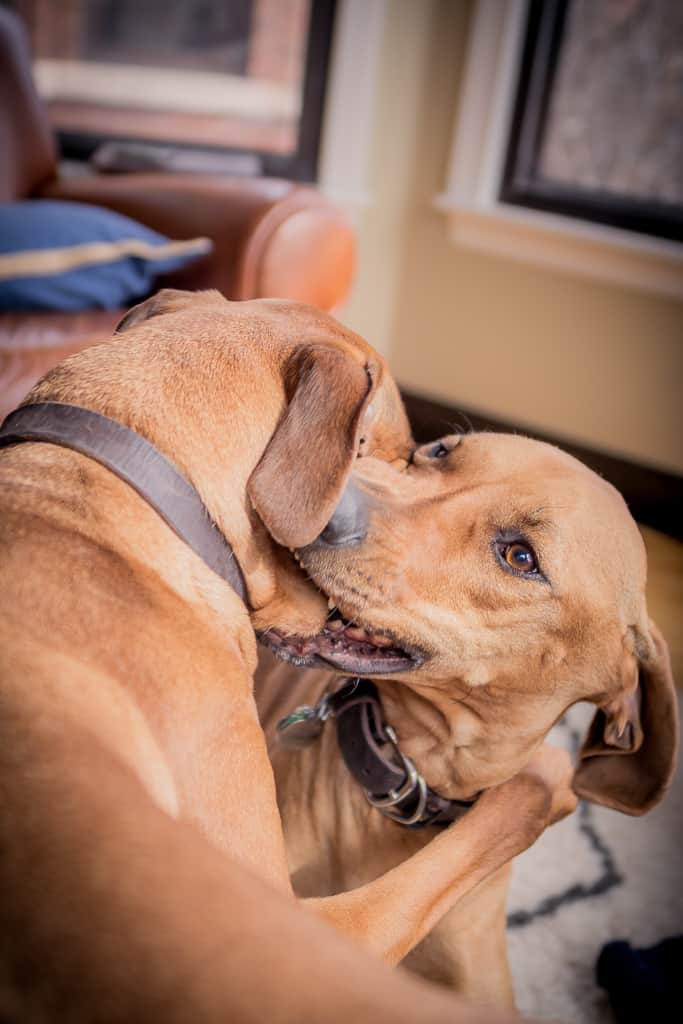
{"points": [[63, 256]]}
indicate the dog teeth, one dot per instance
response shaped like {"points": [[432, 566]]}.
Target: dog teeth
{"points": [[361, 635], [335, 624]]}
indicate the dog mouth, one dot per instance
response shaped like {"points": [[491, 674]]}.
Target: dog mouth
{"points": [[344, 646]]}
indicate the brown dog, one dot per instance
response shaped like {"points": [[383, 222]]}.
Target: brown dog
{"points": [[513, 579], [141, 851]]}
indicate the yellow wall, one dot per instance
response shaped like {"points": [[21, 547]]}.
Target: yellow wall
{"points": [[589, 361]]}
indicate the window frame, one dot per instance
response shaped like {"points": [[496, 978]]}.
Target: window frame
{"points": [[302, 164], [522, 186]]}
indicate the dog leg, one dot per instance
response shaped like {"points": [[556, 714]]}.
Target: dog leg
{"points": [[392, 914], [129, 915], [467, 950]]}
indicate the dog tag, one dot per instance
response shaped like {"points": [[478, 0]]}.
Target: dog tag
{"points": [[303, 726]]}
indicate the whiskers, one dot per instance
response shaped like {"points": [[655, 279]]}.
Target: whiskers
{"points": [[459, 428]]}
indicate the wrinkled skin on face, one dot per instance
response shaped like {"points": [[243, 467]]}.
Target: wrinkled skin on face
{"points": [[514, 577]]}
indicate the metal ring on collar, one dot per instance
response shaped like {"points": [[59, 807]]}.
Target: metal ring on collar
{"points": [[395, 796], [416, 816]]}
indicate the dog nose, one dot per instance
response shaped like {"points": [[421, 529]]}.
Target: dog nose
{"points": [[349, 523]]}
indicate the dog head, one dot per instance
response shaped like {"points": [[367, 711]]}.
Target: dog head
{"points": [[264, 406], [505, 582]]}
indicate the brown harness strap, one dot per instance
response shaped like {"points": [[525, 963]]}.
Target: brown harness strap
{"points": [[142, 466]]}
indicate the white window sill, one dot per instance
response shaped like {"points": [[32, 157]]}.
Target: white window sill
{"points": [[560, 243]]}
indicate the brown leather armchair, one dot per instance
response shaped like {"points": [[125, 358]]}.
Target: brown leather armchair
{"points": [[271, 237]]}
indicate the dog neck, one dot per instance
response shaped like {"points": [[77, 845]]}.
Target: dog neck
{"points": [[139, 464], [427, 732], [458, 738], [432, 731], [371, 751], [157, 480]]}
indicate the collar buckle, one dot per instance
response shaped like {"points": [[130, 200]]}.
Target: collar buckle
{"points": [[413, 782]]}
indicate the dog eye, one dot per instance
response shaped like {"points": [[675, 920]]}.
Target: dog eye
{"points": [[519, 557], [435, 450]]}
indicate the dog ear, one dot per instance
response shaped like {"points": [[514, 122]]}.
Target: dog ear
{"points": [[168, 300], [629, 753], [300, 477]]}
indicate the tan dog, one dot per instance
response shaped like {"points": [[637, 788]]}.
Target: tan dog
{"points": [[514, 578], [141, 851]]}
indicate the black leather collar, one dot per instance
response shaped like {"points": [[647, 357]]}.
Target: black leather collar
{"points": [[132, 458], [390, 780], [371, 753]]}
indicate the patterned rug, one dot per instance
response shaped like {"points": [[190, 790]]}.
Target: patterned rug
{"points": [[594, 877]]}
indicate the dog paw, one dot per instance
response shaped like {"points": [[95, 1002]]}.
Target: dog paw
{"points": [[554, 769]]}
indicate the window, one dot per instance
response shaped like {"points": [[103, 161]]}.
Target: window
{"points": [[597, 128], [551, 160], [244, 77]]}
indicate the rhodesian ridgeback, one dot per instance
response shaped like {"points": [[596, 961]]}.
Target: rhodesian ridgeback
{"points": [[506, 581], [143, 872]]}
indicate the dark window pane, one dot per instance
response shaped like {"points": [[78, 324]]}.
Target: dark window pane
{"points": [[597, 132], [200, 34], [225, 74], [615, 118]]}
